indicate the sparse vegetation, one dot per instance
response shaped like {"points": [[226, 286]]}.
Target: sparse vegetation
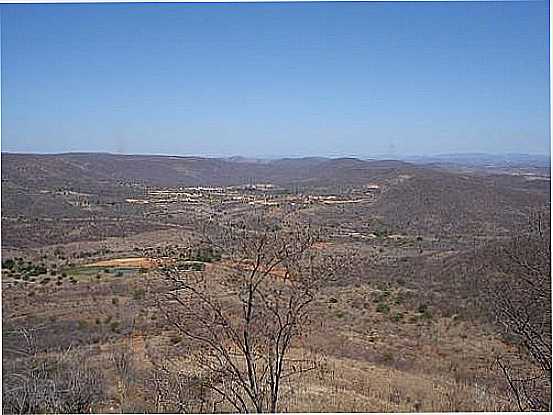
{"points": [[406, 297]]}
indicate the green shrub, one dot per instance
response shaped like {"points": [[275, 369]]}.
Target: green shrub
{"points": [[8, 263], [427, 315], [175, 339], [388, 357], [114, 326], [139, 294], [382, 308], [115, 300], [398, 317], [380, 233]]}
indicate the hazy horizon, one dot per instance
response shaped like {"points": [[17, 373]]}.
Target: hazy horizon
{"points": [[277, 80], [295, 156]]}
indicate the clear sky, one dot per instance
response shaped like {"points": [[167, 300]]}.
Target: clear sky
{"points": [[280, 79]]}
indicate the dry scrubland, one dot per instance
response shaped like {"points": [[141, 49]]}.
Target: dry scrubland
{"points": [[403, 286]]}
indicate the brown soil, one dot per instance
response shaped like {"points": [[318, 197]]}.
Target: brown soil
{"points": [[140, 262]]}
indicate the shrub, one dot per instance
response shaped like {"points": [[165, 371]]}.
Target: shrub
{"points": [[45, 280], [114, 326], [8, 263], [175, 339], [427, 315], [115, 300], [398, 317], [382, 308], [139, 293], [58, 384], [388, 357], [422, 308]]}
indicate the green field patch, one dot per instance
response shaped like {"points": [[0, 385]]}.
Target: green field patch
{"points": [[88, 272]]}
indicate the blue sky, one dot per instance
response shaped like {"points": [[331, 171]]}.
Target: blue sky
{"points": [[329, 79]]}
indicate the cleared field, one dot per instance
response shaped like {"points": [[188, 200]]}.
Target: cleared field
{"points": [[140, 262]]}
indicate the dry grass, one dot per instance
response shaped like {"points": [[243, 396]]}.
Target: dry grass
{"points": [[347, 385]]}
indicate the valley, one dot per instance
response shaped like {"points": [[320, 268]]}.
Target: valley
{"points": [[90, 240]]}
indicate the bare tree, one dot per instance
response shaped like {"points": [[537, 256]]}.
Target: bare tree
{"points": [[520, 292], [37, 383], [242, 318], [173, 390]]}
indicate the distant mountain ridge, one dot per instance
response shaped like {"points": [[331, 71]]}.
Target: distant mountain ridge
{"points": [[485, 159], [413, 198], [40, 170]]}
